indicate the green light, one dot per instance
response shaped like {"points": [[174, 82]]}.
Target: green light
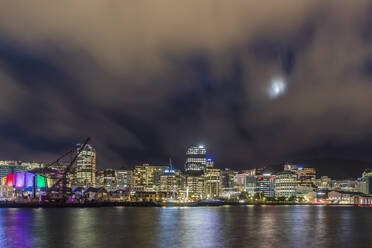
{"points": [[40, 182]]}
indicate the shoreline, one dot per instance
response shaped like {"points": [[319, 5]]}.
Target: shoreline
{"points": [[154, 204]]}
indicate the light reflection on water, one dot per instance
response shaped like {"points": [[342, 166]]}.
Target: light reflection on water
{"points": [[241, 226]]}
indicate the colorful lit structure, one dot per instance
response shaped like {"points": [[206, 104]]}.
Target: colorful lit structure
{"points": [[24, 180]]}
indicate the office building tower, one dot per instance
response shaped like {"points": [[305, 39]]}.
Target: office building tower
{"points": [[285, 184], [228, 182], [124, 179], [196, 158], [85, 167], [365, 182], [265, 185], [212, 183], [147, 177]]}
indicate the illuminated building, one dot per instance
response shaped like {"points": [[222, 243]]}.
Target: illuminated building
{"points": [[285, 184], [195, 158], [6, 192], [209, 163], [266, 186], [341, 197], [365, 182], [246, 181], [24, 184], [212, 183], [85, 167], [170, 181], [346, 185], [228, 182], [10, 167], [321, 195], [29, 166], [193, 185], [124, 179], [291, 167], [325, 183], [147, 178], [106, 178], [306, 177]]}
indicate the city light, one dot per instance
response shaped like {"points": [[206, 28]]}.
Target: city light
{"points": [[199, 183]]}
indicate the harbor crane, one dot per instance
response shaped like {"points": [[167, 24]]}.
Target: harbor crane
{"points": [[57, 193]]}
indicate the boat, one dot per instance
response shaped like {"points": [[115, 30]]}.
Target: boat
{"points": [[171, 202]]}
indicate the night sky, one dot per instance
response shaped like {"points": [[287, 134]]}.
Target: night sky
{"points": [[257, 83]]}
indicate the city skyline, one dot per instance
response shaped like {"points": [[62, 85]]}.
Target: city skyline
{"points": [[74, 179]]}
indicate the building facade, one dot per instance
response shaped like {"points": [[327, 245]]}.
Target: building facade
{"points": [[228, 183], [85, 167], [306, 177], [365, 182], [10, 167], [170, 181], [195, 158], [266, 185], [147, 177], [193, 186], [285, 184], [212, 185], [124, 179]]}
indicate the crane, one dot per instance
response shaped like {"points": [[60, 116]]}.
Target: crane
{"points": [[61, 183]]}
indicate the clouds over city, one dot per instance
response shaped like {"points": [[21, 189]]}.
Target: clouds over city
{"points": [[146, 78]]}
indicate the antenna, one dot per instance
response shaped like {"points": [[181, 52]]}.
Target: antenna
{"points": [[170, 163]]}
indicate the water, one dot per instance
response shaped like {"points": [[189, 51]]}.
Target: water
{"points": [[239, 226]]}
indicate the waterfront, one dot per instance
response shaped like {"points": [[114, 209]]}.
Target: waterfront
{"points": [[225, 226]]}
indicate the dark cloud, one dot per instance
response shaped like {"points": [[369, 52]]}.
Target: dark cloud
{"points": [[146, 79]]}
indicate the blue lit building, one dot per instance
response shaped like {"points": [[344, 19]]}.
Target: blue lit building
{"points": [[196, 158]]}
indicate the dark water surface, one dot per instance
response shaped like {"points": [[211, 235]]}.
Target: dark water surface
{"points": [[239, 226]]}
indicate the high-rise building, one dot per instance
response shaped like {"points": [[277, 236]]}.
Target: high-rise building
{"points": [[196, 158], [124, 179], [265, 185], [365, 182], [246, 181], [193, 185], [306, 177], [228, 182], [106, 178], [209, 163], [170, 182], [285, 184], [85, 167], [147, 177], [212, 183]]}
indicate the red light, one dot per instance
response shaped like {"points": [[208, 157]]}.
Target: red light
{"points": [[10, 180]]}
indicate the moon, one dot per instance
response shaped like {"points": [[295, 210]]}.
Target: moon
{"points": [[276, 88]]}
